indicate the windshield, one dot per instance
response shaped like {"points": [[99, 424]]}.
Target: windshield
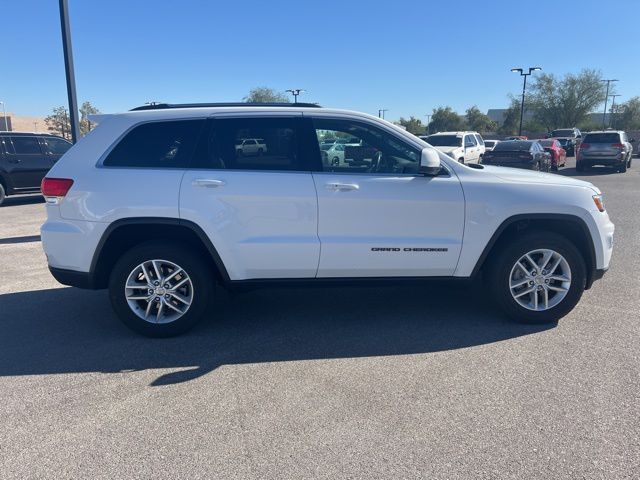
{"points": [[546, 143], [563, 132], [445, 140], [489, 143]]}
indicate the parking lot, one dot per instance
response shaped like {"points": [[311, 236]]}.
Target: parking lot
{"points": [[407, 382]]}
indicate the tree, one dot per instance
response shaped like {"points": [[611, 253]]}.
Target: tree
{"points": [[511, 119], [626, 116], [85, 124], [568, 101], [265, 95], [478, 121], [413, 125], [445, 119], [59, 123]]}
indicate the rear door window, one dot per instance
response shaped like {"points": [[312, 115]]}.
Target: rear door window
{"points": [[26, 146], [277, 148], [157, 145]]}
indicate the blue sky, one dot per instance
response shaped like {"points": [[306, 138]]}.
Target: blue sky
{"points": [[407, 56]]}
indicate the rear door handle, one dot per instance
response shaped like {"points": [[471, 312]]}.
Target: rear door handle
{"points": [[342, 187], [208, 182]]}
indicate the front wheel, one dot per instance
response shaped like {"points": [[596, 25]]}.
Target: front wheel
{"points": [[538, 278], [3, 194], [160, 288]]}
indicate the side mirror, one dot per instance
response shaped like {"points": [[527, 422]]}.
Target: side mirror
{"points": [[430, 162]]}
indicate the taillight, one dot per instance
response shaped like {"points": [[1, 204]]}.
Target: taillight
{"points": [[54, 189], [618, 146], [584, 146]]}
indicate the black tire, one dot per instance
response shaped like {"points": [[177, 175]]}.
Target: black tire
{"points": [[461, 160], [3, 194], [623, 168], [554, 168], [579, 167], [180, 254], [509, 253], [260, 152]]}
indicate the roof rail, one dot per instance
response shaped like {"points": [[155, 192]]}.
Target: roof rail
{"points": [[163, 106]]}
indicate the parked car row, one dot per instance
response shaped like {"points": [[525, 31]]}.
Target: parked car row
{"points": [[25, 158]]}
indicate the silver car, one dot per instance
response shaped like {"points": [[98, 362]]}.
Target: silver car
{"points": [[608, 147]]}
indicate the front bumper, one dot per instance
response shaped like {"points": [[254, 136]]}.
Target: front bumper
{"points": [[72, 277]]}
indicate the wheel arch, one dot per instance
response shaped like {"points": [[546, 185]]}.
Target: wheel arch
{"points": [[571, 226], [124, 234]]}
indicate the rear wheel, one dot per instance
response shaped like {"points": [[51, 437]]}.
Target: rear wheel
{"points": [[160, 289], [3, 194], [579, 167], [623, 168], [461, 160], [538, 278]]}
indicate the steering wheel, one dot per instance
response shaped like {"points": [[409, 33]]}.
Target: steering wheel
{"points": [[376, 161]]}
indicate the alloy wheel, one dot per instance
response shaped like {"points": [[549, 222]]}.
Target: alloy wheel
{"points": [[540, 279], [159, 291]]}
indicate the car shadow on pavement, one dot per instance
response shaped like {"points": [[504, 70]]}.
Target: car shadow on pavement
{"points": [[67, 330], [22, 200], [589, 172]]}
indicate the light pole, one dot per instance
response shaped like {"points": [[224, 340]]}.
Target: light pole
{"points": [[428, 115], [68, 69], [608, 80], [613, 105], [524, 87], [381, 112], [4, 112], [295, 92]]}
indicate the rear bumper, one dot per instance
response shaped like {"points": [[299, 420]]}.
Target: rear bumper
{"points": [[604, 160], [72, 278]]}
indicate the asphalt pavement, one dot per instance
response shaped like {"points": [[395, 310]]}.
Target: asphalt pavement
{"points": [[397, 382]]}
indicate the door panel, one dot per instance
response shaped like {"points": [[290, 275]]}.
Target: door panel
{"points": [[26, 162], [263, 224], [374, 225], [260, 212]]}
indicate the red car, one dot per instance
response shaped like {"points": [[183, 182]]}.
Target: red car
{"points": [[558, 154]]}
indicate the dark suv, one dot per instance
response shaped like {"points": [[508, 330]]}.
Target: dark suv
{"points": [[569, 139], [609, 148], [25, 158]]}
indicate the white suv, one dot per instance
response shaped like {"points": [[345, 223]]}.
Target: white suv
{"points": [[157, 206], [465, 147]]}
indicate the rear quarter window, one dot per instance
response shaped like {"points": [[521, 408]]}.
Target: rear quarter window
{"points": [[157, 145]]}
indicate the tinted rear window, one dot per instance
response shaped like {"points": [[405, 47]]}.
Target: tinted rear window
{"points": [[444, 140], [513, 146], [157, 145], [602, 138], [563, 133]]}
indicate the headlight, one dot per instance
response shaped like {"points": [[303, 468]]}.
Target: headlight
{"points": [[599, 201]]}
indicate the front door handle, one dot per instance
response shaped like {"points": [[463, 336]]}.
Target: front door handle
{"points": [[342, 187], [208, 182]]}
